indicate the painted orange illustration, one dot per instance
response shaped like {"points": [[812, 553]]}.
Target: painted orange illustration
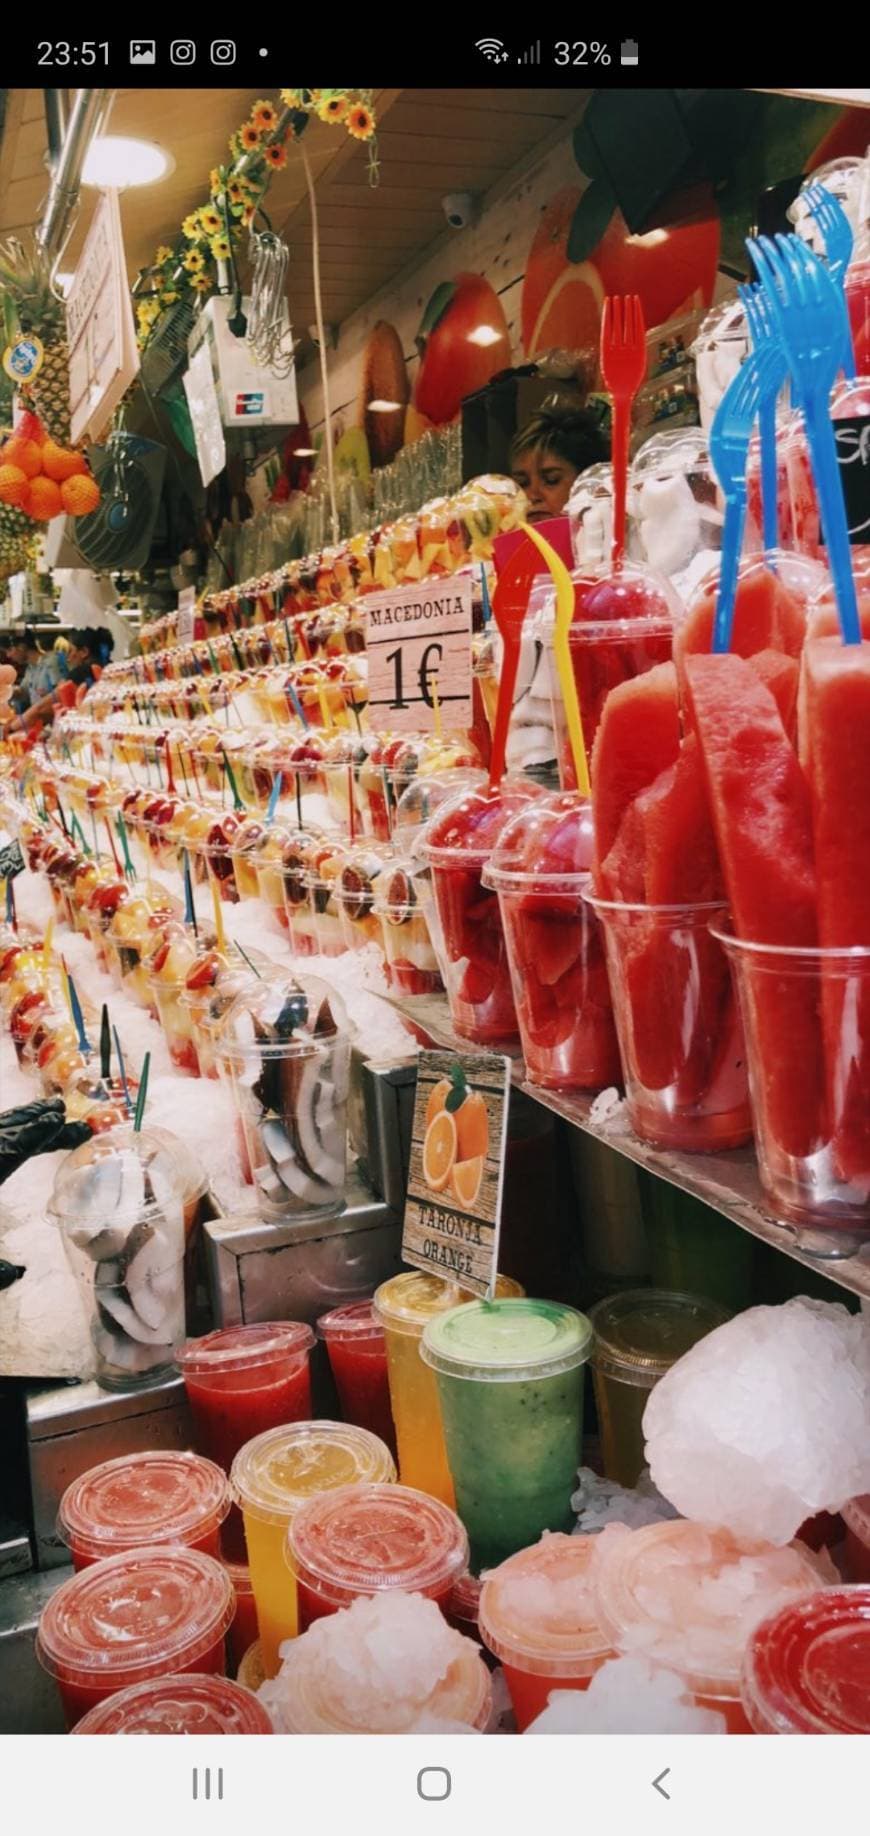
{"points": [[456, 1141]]}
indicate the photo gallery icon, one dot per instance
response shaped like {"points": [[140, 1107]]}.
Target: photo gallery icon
{"points": [[143, 50]]}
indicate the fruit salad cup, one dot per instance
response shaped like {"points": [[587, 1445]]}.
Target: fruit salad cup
{"points": [[167, 969], [248, 841], [361, 869], [298, 850], [539, 868], [270, 876], [322, 881], [623, 625], [411, 961]]}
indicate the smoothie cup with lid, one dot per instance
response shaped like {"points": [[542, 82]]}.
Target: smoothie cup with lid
{"points": [[357, 1349], [807, 1668], [144, 1498], [244, 1631], [510, 1382], [179, 1705], [638, 1337], [368, 1539], [271, 1477], [404, 1305], [154, 1612], [537, 1616]]}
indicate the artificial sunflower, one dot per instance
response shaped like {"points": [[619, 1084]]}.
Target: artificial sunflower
{"points": [[293, 98], [201, 283], [216, 179], [211, 220], [235, 145], [360, 122], [276, 157], [236, 192], [193, 261], [249, 136], [162, 255], [190, 227], [220, 248], [264, 116], [248, 214], [169, 299], [334, 108]]}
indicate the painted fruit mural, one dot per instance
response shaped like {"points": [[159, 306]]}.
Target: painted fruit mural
{"points": [[454, 362], [384, 379]]}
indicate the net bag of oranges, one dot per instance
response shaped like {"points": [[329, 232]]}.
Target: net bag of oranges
{"points": [[42, 478]]}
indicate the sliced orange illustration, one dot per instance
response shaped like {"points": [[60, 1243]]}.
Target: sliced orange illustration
{"points": [[465, 1180], [439, 1151], [437, 1099], [472, 1127]]}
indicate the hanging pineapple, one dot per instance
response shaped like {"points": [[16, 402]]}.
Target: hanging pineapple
{"points": [[25, 281], [16, 539]]}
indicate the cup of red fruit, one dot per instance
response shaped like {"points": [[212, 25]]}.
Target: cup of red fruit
{"points": [[539, 868], [623, 625], [411, 961]]}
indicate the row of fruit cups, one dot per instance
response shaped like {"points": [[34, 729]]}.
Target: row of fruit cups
{"points": [[327, 691], [328, 632]]}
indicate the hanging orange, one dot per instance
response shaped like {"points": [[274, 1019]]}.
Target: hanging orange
{"points": [[80, 495], [58, 463], [14, 485], [23, 453], [43, 500]]}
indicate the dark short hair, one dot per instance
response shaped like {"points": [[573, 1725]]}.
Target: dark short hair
{"points": [[572, 433]]}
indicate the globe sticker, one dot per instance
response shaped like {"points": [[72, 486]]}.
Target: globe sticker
{"points": [[23, 359]]}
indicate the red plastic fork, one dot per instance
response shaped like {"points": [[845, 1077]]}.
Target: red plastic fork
{"points": [[623, 366], [510, 603]]}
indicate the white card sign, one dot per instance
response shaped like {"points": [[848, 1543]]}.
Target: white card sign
{"points": [[185, 629], [418, 642], [103, 354], [205, 414]]}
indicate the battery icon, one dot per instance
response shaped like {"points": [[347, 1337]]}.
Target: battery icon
{"points": [[628, 51]]}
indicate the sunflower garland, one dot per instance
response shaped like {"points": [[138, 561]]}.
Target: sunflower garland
{"points": [[210, 235]]}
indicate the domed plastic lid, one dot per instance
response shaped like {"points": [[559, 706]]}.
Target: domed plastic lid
{"points": [[641, 1334], [242, 1348], [281, 1017], [406, 1302], [426, 794], [178, 1705], [550, 843], [856, 1517], [277, 1471], [807, 1669], [537, 1610], [468, 827], [120, 1176], [634, 594], [506, 1341], [139, 1614], [354, 1323], [143, 1498], [365, 1538], [361, 1672]]}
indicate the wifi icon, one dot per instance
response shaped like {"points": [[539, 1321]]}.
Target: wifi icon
{"points": [[491, 48]]}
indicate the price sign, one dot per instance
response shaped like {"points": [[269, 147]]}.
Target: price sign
{"points": [[853, 455], [418, 640], [458, 1143], [185, 630]]}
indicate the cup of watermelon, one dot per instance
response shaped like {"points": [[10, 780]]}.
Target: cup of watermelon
{"points": [[623, 625], [539, 869]]}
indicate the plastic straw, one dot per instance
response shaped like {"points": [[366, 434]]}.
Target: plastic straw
{"points": [[484, 594], [46, 945], [562, 650], [218, 914], [273, 799], [105, 1043], [244, 953], [11, 915], [122, 1070], [189, 907], [297, 705], [237, 801], [143, 1092]]}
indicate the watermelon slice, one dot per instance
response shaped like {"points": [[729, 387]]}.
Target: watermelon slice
{"points": [[681, 860], [837, 717], [766, 617], [623, 874], [638, 737], [781, 676], [760, 806]]}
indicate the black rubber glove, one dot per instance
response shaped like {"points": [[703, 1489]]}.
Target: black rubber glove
{"points": [[36, 1128]]}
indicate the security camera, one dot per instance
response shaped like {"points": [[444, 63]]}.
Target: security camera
{"points": [[458, 208]]}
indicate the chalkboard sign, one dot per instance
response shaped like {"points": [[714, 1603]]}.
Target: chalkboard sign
{"points": [[12, 861], [853, 453]]}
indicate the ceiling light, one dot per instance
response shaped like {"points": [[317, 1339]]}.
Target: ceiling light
{"points": [[116, 162], [484, 334], [380, 407], [304, 452]]}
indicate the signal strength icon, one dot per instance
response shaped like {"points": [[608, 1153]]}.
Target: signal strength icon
{"points": [[492, 48], [532, 56]]}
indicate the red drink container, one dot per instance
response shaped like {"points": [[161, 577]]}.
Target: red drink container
{"points": [[144, 1498], [807, 1668], [538, 1617], [623, 625], [539, 867], [357, 1350], [370, 1539], [152, 1613], [179, 1705], [856, 1517], [857, 288]]}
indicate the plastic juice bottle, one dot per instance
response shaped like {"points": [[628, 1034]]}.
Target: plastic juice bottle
{"points": [[807, 1668], [369, 1539], [546, 1636], [638, 1337], [357, 1350], [144, 1498]]}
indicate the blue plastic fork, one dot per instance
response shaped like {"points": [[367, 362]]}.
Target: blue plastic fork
{"points": [[828, 213], [763, 333], [729, 444], [804, 301]]}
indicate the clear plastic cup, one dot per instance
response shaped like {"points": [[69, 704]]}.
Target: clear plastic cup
{"points": [[367, 1539], [357, 1349], [638, 1337], [680, 1037], [856, 1517], [244, 1631], [173, 1012], [857, 290], [144, 1498], [539, 868], [179, 1705], [151, 1613], [412, 963], [807, 1668], [688, 1596], [271, 1477], [537, 1616], [404, 1305], [623, 625], [510, 1383]]}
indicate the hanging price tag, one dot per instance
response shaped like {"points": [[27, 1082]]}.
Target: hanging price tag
{"points": [[418, 641]]}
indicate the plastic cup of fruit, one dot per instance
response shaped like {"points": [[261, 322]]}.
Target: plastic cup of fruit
{"points": [[404, 1305], [371, 1539], [510, 1384], [244, 1631], [804, 516], [271, 1478], [179, 1705], [826, 1185], [248, 842], [679, 1031], [537, 1616], [688, 1596], [639, 1335], [268, 868], [152, 1613], [539, 868], [174, 1017], [296, 854], [144, 1498], [324, 904], [285, 1052], [375, 790], [411, 960], [361, 868], [623, 625], [357, 1350], [857, 289], [807, 1668], [459, 842]]}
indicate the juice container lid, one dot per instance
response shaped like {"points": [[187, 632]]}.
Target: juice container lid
{"points": [[465, 830], [354, 1324], [240, 1575], [143, 1498], [537, 1610], [189, 1704], [242, 1348], [856, 1517], [639, 1335], [507, 1341], [688, 1596], [278, 1471], [408, 1301], [807, 1668], [151, 1172], [363, 1539], [550, 843], [606, 603], [141, 1614]]}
